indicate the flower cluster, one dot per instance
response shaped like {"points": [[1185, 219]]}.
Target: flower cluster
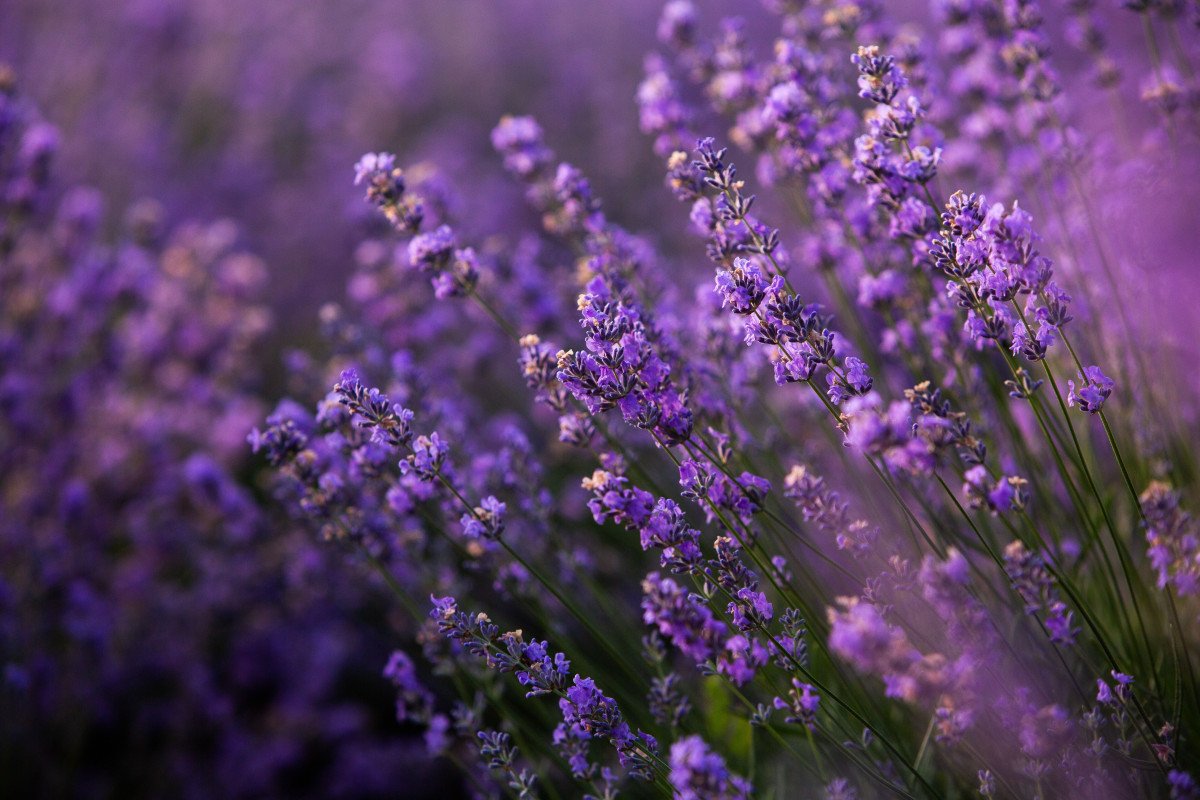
{"points": [[1174, 542], [622, 368], [697, 773], [587, 713], [454, 269], [1035, 584], [886, 161], [988, 254]]}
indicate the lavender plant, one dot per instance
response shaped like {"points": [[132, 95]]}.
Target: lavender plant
{"points": [[941, 640], [852, 471]]}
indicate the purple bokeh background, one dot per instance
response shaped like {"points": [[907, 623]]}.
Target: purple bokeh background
{"points": [[253, 111]]}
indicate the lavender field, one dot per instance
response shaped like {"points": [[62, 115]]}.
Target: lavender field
{"points": [[547, 399]]}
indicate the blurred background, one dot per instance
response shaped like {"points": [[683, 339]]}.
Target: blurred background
{"points": [[257, 111], [252, 111]]}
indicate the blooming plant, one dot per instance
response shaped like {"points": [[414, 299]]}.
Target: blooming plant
{"points": [[874, 488]]}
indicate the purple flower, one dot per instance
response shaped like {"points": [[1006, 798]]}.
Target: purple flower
{"points": [[1183, 785], [427, 458], [614, 498], [431, 252], [677, 25], [750, 609], [998, 496], [682, 619], [860, 635], [695, 478], [697, 773], [840, 789], [742, 288], [1094, 388], [664, 115], [801, 705], [486, 521], [882, 290], [855, 380], [389, 192], [743, 656], [1174, 541], [879, 80], [413, 701], [520, 141], [886, 433], [1035, 584], [372, 165], [667, 530]]}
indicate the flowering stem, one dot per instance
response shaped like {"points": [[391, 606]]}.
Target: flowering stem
{"points": [[605, 642], [746, 542], [871, 771], [771, 515], [1122, 551], [496, 316], [662, 769], [1177, 627], [924, 741], [828, 692], [1116, 451], [399, 593], [825, 691]]}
